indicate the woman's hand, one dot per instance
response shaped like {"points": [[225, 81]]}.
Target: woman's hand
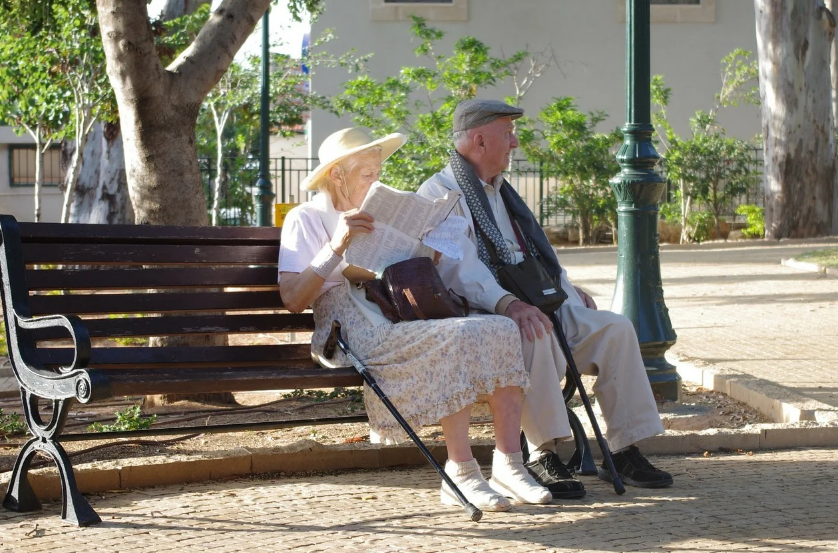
{"points": [[350, 224], [356, 274]]}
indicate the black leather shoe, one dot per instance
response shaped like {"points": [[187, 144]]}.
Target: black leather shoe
{"points": [[635, 470], [549, 471]]}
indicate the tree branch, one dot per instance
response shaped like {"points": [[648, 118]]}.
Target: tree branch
{"points": [[129, 48], [199, 68]]}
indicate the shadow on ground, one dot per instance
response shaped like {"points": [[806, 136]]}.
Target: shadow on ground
{"points": [[774, 501]]}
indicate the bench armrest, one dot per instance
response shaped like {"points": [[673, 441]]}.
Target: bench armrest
{"points": [[73, 381], [75, 327]]}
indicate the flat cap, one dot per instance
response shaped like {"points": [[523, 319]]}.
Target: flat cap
{"points": [[470, 114]]}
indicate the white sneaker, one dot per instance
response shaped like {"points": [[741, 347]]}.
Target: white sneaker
{"points": [[470, 481], [511, 478]]}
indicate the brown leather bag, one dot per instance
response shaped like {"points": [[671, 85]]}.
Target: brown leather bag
{"points": [[413, 290]]}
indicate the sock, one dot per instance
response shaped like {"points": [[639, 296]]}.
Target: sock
{"points": [[511, 478], [622, 449], [543, 449], [470, 481]]}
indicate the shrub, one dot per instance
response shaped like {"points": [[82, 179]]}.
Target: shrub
{"points": [[755, 217], [11, 425], [130, 419], [4, 349], [701, 223]]}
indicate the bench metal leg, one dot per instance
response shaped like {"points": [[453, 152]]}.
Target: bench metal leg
{"points": [[20, 496], [582, 461]]}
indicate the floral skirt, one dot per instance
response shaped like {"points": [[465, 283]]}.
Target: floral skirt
{"points": [[429, 369]]}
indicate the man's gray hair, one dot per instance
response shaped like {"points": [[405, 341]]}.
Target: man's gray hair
{"points": [[459, 138]]}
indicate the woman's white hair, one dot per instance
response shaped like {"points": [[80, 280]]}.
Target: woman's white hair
{"points": [[345, 165]]}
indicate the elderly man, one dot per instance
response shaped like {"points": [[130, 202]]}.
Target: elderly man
{"points": [[603, 343]]}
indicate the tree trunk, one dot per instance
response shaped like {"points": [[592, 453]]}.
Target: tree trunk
{"points": [[686, 201], [101, 195], [833, 70], [158, 110], [39, 173], [793, 42]]}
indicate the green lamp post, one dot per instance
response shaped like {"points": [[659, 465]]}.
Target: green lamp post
{"points": [[639, 291], [264, 190]]}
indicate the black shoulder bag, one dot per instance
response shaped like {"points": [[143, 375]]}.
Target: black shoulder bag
{"points": [[528, 280]]}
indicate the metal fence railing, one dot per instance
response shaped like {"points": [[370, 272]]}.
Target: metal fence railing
{"points": [[237, 203]]}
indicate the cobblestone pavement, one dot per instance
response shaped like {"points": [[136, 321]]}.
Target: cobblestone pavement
{"points": [[740, 310], [781, 501]]}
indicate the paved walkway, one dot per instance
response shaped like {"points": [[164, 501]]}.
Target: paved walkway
{"points": [[780, 501], [735, 307]]}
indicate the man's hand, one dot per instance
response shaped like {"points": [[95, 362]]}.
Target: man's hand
{"points": [[530, 320], [589, 301]]}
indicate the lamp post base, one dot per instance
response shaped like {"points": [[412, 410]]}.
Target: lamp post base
{"points": [[664, 378]]}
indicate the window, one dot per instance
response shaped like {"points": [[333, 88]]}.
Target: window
{"points": [[432, 10], [676, 11], [22, 166]]}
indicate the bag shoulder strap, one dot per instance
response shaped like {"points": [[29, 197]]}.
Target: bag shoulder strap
{"points": [[518, 234]]}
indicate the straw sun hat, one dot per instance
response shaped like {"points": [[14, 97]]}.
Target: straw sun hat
{"points": [[344, 143]]}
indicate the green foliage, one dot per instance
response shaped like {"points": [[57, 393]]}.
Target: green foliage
{"points": [[11, 425], [355, 395], [128, 340], [701, 224], [755, 217], [564, 140], [4, 347], [130, 419], [739, 79], [671, 211], [173, 36], [420, 101]]}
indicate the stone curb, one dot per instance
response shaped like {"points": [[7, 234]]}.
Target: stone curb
{"points": [[810, 267], [309, 456], [762, 395]]}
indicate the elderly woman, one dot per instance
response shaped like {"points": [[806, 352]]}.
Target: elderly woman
{"points": [[432, 370]]}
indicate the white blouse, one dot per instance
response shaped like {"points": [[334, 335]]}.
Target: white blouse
{"points": [[307, 228], [304, 234]]}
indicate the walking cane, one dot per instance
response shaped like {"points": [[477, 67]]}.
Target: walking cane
{"points": [[335, 338], [574, 373]]}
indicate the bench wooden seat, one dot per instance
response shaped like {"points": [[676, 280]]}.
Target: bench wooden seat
{"points": [[78, 285]]}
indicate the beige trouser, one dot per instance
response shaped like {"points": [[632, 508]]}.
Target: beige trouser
{"points": [[604, 344]]}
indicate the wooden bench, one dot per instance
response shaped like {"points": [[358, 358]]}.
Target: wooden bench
{"points": [[76, 284], [71, 284]]}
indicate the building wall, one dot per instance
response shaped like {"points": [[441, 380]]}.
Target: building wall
{"points": [[587, 36], [19, 201]]}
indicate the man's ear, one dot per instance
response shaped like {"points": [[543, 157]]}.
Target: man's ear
{"points": [[479, 142]]}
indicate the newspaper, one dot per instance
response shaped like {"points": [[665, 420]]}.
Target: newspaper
{"points": [[401, 221]]}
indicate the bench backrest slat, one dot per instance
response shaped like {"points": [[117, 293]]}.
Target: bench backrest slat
{"points": [[137, 356], [142, 254], [144, 277], [146, 234], [99, 304], [189, 325]]}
